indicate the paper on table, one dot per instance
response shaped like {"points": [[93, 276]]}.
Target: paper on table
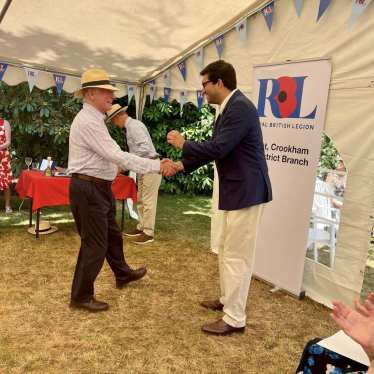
{"points": [[345, 346]]}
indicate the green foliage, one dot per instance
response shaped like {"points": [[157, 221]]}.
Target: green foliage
{"points": [[193, 125], [327, 159], [40, 123]]}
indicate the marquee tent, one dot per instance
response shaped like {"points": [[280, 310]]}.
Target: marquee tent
{"points": [[139, 40]]}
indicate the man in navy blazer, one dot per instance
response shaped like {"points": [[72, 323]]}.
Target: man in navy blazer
{"points": [[244, 187]]}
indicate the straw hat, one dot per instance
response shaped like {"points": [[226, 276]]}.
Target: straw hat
{"points": [[116, 108], [94, 78], [44, 228]]}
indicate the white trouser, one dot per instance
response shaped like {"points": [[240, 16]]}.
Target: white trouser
{"points": [[236, 254], [148, 185]]}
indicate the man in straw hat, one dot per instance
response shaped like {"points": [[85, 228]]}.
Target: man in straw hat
{"points": [[93, 160], [139, 143]]}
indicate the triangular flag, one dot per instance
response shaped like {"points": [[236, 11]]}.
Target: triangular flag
{"points": [[152, 82], [358, 7], [298, 6], [182, 96], [3, 67], [200, 98], [131, 88], [152, 90], [182, 69], [113, 84], [166, 78], [241, 27], [268, 12], [219, 45], [166, 94], [59, 82], [199, 57], [322, 7], [31, 75]]}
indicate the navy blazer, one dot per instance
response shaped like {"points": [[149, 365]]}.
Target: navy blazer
{"points": [[238, 150]]}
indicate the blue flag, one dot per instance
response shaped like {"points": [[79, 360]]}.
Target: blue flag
{"points": [[199, 57], [113, 84], [182, 96], [152, 90], [200, 98], [182, 69], [166, 94], [268, 13], [298, 6], [358, 7], [241, 28], [166, 76], [219, 45], [152, 82], [322, 7], [3, 67], [131, 88], [59, 82]]}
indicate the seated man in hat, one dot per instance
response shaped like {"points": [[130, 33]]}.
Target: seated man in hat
{"points": [[139, 142], [93, 160]]}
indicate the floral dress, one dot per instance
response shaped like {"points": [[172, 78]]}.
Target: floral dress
{"points": [[316, 359], [6, 176]]}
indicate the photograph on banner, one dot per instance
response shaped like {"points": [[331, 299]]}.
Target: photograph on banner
{"points": [[291, 100]]}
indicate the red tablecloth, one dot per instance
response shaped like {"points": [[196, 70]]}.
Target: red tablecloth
{"points": [[55, 191]]}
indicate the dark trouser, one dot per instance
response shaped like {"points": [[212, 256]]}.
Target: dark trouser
{"points": [[94, 210]]}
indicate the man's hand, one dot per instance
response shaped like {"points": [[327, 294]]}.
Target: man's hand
{"points": [[176, 139], [179, 165], [167, 167]]}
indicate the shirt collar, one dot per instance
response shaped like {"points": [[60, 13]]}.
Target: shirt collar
{"points": [[127, 121], [224, 102], [94, 111]]}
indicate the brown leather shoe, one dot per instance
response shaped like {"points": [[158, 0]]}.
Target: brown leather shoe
{"points": [[93, 306], [134, 276], [143, 239], [214, 305], [134, 232], [221, 328]]}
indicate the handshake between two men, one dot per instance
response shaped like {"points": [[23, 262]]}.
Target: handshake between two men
{"points": [[168, 167]]}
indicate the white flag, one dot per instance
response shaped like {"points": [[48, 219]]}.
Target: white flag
{"points": [[31, 75]]}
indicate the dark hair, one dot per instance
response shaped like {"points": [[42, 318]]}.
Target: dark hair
{"points": [[221, 70]]}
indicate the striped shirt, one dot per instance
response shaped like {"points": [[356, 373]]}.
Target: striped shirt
{"points": [[93, 152], [138, 139]]}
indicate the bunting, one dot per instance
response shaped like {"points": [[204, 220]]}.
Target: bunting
{"points": [[113, 84], [166, 94], [182, 69], [152, 82], [200, 98], [59, 82], [268, 13], [152, 90], [219, 45], [322, 7], [199, 57], [182, 97], [31, 75], [166, 78], [298, 6], [358, 7], [241, 27], [3, 67], [131, 88]]}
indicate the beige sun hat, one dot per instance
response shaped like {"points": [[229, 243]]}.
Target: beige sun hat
{"points": [[44, 228], [116, 108], [94, 78]]}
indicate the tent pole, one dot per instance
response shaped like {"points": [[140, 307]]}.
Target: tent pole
{"points": [[5, 9]]}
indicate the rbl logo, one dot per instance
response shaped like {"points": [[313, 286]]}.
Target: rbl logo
{"points": [[360, 2], [285, 97], [59, 79], [241, 27], [165, 76], [200, 94], [181, 65], [198, 53], [131, 88], [219, 41], [267, 11], [182, 93], [1, 67], [167, 92], [31, 73], [152, 88]]}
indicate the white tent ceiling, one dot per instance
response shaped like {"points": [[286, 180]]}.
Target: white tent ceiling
{"points": [[128, 39]]}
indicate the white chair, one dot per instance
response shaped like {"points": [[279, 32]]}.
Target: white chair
{"points": [[324, 221]]}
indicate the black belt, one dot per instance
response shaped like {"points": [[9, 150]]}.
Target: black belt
{"points": [[101, 182], [154, 158]]}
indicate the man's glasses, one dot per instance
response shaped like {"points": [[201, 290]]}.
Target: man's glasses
{"points": [[205, 83]]}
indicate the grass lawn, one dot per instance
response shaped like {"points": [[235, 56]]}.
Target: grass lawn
{"points": [[152, 326]]}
